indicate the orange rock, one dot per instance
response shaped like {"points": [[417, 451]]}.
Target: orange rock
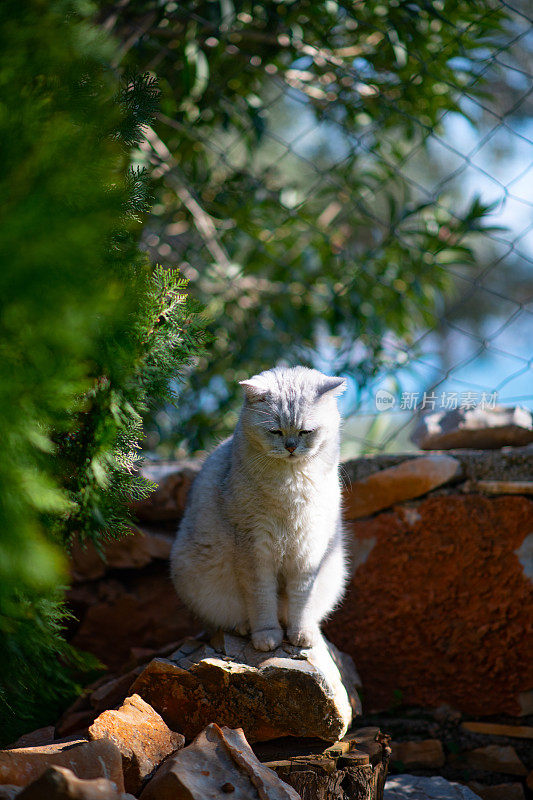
{"points": [[87, 760], [59, 783], [440, 610], [141, 736], [285, 692], [219, 762], [492, 729], [412, 478], [426, 754]]}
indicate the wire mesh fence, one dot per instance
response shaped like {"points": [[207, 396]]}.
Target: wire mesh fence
{"points": [[352, 190]]}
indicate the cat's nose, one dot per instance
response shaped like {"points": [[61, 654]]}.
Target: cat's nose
{"points": [[291, 445]]}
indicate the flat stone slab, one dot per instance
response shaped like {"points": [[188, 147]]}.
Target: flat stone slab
{"points": [[286, 692], [412, 478], [414, 787], [495, 729], [476, 428]]}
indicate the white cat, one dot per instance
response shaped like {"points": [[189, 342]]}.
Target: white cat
{"points": [[261, 544]]}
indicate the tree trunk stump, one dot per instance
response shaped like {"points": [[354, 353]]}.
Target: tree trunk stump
{"points": [[354, 768]]}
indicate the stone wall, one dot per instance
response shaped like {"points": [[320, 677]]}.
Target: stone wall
{"points": [[440, 604]]}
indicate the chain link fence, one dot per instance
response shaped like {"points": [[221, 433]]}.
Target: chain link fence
{"points": [[342, 180], [480, 352]]}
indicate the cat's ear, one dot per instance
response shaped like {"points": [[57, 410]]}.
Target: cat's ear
{"points": [[254, 390], [332, 387]]}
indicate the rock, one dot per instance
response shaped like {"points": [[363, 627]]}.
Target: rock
{"points": [[167, 502], [529, 781], [9, 792], [492, 758], [525, 699], [106, 692], [218, 763], [501, 791], [411, 478], [458, 553], [59, 783], [75, 722], [508, 464], [426, 754], [475, 428], [87, 760], [414, 787], [286, 692], [113, 692], [445, 715], [40, 736], [136, 549], [140, 609], [493, 729], [141, 736]]}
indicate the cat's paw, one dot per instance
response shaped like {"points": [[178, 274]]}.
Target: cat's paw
{"points": [[267, 639], [243, 629], [303, 637]]}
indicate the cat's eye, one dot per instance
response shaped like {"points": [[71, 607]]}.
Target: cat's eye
{"points": [[301, 432], [279, 433]]}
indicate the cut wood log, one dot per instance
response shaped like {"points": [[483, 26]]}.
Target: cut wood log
{"points": [[355, 768]]}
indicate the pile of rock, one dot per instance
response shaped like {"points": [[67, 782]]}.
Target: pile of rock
{"points": [[206, 719], [125, 606], [439, 530], [183, 725]]}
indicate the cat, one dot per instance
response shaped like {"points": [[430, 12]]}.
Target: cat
{"points": [[260, 545]]}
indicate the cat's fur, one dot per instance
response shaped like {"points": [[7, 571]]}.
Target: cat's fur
{"points": [[261, 544]]}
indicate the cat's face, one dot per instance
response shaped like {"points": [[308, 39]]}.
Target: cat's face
{"points": [[291, 413]]}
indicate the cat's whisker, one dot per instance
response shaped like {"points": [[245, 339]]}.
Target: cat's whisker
{"points": [[344, 478]]}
